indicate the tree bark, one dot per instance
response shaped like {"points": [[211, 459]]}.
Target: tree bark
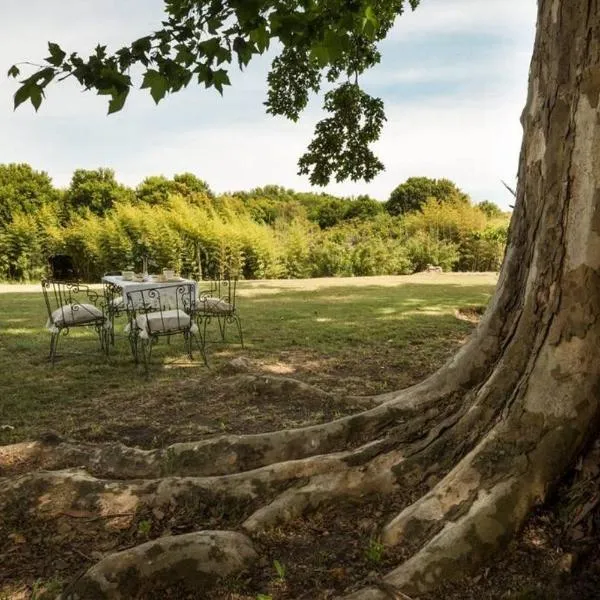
{"points": [[488, 434]]}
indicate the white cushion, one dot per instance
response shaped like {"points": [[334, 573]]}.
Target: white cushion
{"points": [[118, 302], [168, 320], [215, 306], [71, 314]]}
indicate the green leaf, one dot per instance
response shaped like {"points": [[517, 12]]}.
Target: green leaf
{"points": [[35, 96], [335, 45], [144, 44], [184, 55], [22, 94], [220, 78], [243, 50], [29, 91], [223, 55], [57, 54], [210, 47], [370, 23], [100, 51], [260, 37], [321, 54], [14, 71], [280, 569], [46, 75], [213, 25], [157, 83], [117, 101]]}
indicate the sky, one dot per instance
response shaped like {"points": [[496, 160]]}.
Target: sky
{"points": [[453, 78]]}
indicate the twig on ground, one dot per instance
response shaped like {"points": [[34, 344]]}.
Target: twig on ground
{"points": [[85, 556], [89, 519]]}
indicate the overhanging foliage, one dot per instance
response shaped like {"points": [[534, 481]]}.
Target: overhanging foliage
{"points": [[329, 42]]}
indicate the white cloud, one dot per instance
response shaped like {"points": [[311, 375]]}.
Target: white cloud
{"points": [[467, 16]]}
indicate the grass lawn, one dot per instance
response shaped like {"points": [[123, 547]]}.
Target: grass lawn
{"points": [[352, 337]]}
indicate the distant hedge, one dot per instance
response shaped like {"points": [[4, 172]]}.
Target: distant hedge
{"points": [[269, 232]]}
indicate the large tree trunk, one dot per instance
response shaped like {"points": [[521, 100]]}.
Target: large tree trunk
{"points": [[487, 435]]}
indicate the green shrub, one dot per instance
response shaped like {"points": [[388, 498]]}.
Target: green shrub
{"points": [[424, 249]]}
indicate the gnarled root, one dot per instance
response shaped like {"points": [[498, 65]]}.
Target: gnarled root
{"points": [[199, 558], [417, 406], [478, 506]]}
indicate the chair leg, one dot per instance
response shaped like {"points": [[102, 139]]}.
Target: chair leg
{"points": [[200, 342], [187, 338], [146, 352], [101, 333], [53, 345], [222, 322], [107, 340], [238, 322], [112, 329], [133, 344], [203, 353], [204, 331]]}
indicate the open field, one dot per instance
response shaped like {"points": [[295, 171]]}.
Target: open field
{"points": [[352, 338]]}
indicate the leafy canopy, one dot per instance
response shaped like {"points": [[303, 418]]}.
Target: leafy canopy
{"points": [[411, 195], [23, 190], [320, 43], [96, 190]]}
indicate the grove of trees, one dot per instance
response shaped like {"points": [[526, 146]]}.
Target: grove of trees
{"points": [[266, 232]]}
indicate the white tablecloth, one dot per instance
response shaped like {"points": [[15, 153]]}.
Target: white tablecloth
{"points": [[132, 286]]}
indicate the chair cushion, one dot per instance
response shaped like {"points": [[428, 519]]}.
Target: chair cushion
{"points": [[161, 322], [72, 314], [215, 306], [118, 303]]}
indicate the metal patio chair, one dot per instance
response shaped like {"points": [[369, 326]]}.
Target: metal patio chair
{"points": [[70, 305], [161, 312], [218, 303]]}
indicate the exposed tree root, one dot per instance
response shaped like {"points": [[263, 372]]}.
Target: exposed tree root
{"points": [[466, 515], [199, 558], [417, 407]]}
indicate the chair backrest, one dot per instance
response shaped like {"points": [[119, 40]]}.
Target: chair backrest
{"points": [[222, 282], [165, 303], [62, 267], [224, 289], [64, 297]]}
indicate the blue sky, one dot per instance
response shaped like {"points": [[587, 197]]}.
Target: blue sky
{"points": [[453, 78]]}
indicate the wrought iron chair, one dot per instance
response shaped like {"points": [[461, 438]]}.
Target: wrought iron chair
{"points": [[161, 311], [115, 303], [72, 304], [219, 303]]}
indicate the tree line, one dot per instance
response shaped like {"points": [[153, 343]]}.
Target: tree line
{"points": [[267, 232]]}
